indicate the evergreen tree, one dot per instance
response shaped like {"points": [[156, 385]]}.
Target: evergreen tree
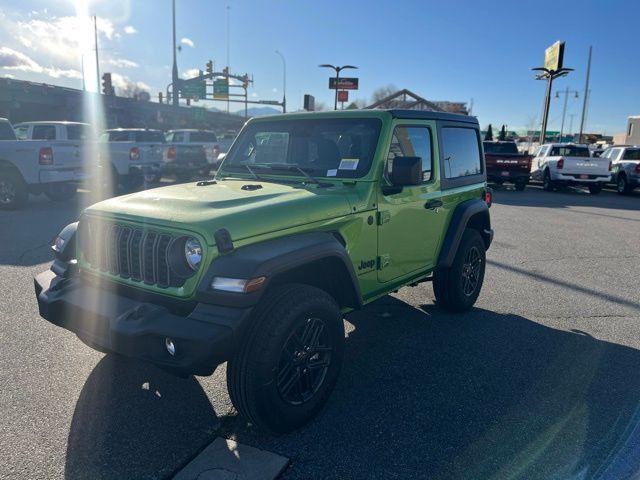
{"points": [[503, 133], [489, 135]]}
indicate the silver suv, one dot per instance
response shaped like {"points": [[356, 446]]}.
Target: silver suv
{"points": [[625, 167]]}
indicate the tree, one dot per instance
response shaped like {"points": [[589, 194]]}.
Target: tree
{"points": [[489, 135], [358, 103], [503, 133], [383, 92]]}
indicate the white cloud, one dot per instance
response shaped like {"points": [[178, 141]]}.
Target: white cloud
{"points": [[130, 30], [274, 90], [190, 73], [187, 41], [14, 60], [121, 63], [125, 84]]}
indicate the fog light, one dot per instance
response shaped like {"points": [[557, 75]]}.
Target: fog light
{"points": [[170, 346]]}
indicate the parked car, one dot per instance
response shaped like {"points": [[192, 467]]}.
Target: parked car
{"points": [[505, 164], [188, 152], [131, 156], [52, 167], [258, 266], [625, 167], [563, 164]]}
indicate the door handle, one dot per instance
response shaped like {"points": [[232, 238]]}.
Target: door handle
{"points": [[433, 204]]}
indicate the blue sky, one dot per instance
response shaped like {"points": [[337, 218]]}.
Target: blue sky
{"points": [[455, 50]]}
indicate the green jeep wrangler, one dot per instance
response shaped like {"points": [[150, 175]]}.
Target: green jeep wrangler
{"points": [[310, 216]]}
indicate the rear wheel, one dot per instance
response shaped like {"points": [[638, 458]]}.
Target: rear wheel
{"points": [[61, 192], [520, 185], [595, 189], [622, 185], [13, 190], [547, 184], [457, 288], [288, 364]]}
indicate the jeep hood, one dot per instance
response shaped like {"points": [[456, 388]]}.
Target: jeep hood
{"points": [[235, 204]]}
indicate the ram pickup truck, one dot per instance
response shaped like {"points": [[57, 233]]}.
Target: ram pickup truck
{"points": [[506, 165], [189, 152], [563, 164], [52, 167], [625, 167], [131, 156], [310, 216]]}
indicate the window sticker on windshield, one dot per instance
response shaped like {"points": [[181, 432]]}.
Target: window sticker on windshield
{"points": [[348, 164], [332, 173]]}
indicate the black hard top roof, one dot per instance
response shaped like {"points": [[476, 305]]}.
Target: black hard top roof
{"points": [[427, 115]]}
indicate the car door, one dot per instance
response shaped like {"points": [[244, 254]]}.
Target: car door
{"points": [[410, 220]]}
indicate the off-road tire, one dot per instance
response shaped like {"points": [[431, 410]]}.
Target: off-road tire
{"points": [[622, 185], [61, 192], [254, 370], [520, 186], [547, 184], [13, 191], [595, 189], [449, 284]]}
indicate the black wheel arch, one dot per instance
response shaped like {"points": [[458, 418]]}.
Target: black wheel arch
{"points": [[318, 259], [7, 166], [468, 214]]}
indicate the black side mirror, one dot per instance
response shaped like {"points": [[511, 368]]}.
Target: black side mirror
{"points": [[405, 171]]}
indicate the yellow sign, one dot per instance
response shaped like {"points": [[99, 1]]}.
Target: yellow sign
{"points": [[553, 56]]}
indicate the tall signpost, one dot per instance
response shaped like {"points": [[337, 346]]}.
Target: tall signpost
{"points": [[585, 96], [553, 60], [336, 81]]}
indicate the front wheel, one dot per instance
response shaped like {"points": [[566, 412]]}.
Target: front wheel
{"points": [[13, 190], [457, 288], [288, 364], [61, 192], [595, 189]]}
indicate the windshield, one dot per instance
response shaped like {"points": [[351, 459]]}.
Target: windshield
{"points": [[495, 147], [341, 148], [569, 151]]}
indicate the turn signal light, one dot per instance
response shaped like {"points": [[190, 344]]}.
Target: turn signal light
{"points": [[488, 197], [560, 164], [45, 157]]}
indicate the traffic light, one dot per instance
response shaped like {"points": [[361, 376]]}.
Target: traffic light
{"points": [[210, 66], [107, 86]]}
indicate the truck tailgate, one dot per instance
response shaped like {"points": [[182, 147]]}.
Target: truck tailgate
{"points": [[585, 166]]}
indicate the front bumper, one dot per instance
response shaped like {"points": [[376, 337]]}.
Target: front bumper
{"points": [[110, 321]]}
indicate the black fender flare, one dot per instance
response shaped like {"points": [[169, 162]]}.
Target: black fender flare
{"points": [[273, 259], [477, 212]]}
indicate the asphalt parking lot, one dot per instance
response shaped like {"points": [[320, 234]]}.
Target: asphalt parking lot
{"points": [[540, 380]]}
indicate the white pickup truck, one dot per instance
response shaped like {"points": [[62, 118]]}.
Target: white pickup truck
{"points": [[131, 156], [39, 165], [563, 164]]}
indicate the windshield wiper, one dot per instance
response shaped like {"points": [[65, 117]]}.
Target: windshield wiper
{"points": [[290, 167]]}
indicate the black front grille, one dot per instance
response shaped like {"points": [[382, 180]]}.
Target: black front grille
{"points": [[128, 252]]}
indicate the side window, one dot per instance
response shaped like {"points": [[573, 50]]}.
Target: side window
{"points": [[537, 152], [44, 132], [169, 137], [21, 132], [412, 142], [461, 152], [178, 137]]}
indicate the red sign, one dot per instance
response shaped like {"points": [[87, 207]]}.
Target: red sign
{"points": [[343, 96], [346, 83]]}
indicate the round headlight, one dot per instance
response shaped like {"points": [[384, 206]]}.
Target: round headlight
{"points": [[193, 252]]}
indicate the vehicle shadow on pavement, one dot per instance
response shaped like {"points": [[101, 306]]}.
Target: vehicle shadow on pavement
{"points": [[134, 421], [426, 394]]}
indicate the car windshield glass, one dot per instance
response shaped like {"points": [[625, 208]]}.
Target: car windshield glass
{"points": [[569, 151], [494, 147], [341, 148], [209, 137], [632, 154]]}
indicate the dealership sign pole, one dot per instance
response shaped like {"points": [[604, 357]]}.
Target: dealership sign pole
{"points": [[336, 82], [553, 59]]}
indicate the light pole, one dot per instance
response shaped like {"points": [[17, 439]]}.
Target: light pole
{"points": [[174, 76], [564, 108], [284, 82], [337, 70]]}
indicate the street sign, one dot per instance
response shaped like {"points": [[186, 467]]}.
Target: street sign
{"points": [[343, 83], [343, 96], [194, 89], [221, 89], [553, 56], [309, 102], [270, 102]]}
